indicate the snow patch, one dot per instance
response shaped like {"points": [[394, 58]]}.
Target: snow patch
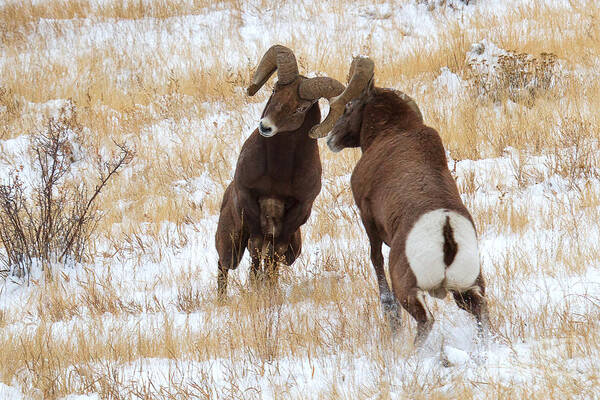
{"points": [[10, 393]]}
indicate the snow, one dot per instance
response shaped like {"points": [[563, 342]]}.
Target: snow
{"points": [[449, 81], [81, 397], [484, 56], [190, 249], [10, 393]]}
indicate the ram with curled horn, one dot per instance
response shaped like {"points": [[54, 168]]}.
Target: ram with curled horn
{"points": [[408, 200], [278, 172]]}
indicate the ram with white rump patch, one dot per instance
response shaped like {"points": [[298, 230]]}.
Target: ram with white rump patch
{"points": [[408, 200]]}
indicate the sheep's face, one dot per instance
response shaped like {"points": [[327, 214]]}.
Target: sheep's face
{"points": [[346, 132], [285, 110]]}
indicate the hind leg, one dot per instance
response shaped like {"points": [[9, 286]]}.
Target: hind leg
{"points": [[230, 247], [288, 254], [230, 241], [473, 301], [281, 252], [264, 262], [271, 263], [412, 300], [255, 248], [404, 284]]}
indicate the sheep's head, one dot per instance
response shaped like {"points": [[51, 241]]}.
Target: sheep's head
{"points": [[293, 94], [346, 131], [361, 73], [402, 110], [346, 114]]}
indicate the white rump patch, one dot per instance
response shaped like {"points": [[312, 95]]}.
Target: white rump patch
{"points": [[425, 252]]}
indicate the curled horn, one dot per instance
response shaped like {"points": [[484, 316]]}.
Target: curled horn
{"points": [[278, 58], [323, 86], [361, 72]]}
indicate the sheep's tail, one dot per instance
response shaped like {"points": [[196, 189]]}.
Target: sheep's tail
{"points": [[442, 252]]}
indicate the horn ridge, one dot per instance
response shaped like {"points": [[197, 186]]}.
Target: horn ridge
{"points": [[279, 58], [361, 72], [322, 86]]}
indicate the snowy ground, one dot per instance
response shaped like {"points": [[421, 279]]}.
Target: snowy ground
{"points": [[144, 311]]}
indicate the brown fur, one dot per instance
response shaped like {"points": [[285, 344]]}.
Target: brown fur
{"points": [[450, 245], [401, 175], [271, 215], [279, 176]]}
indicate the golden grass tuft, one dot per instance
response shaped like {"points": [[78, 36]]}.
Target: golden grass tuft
{"points": [[89, 330]]}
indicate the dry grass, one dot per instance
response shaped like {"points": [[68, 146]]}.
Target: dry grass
{"points": [[93, 329]]}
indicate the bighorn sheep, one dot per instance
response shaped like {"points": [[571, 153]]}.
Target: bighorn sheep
{"points": [[407, 199], [278, 172]]}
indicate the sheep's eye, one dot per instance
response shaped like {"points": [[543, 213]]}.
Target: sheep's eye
{"points": [[347, 108]]}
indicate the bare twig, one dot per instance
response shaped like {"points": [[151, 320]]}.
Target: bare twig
{"points": [[56, 222]]}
